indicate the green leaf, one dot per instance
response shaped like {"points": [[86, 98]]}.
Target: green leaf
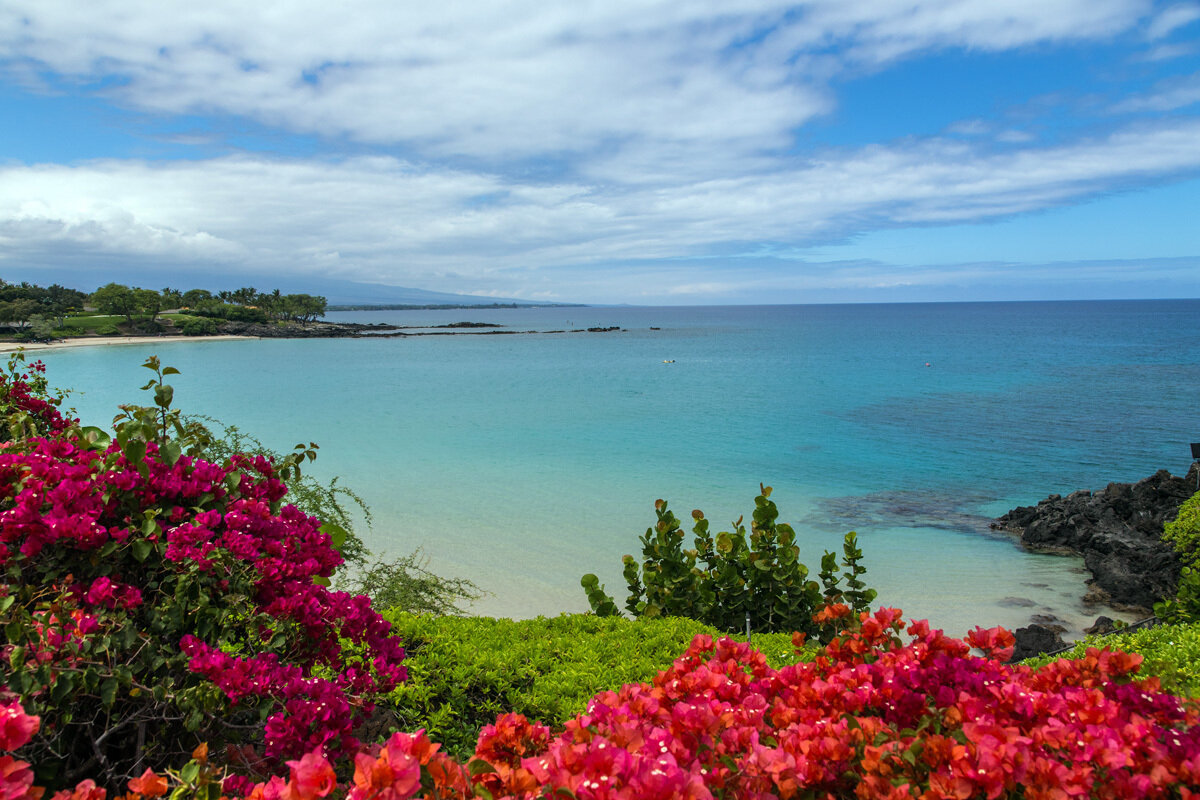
{"points": [[190, 772], [163, 395], [6, 602], [170, 371], [95, 438], [336, 533], [108, 692], [141, 549], [170, 452], [135, 450], [479, 767]]}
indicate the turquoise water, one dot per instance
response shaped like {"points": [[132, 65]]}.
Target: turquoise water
{"points": [[524, 461]]}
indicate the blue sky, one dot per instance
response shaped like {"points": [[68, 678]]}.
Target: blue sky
{"points": [[611, 151]]}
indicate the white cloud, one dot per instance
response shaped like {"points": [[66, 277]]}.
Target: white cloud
{"points": [[1169, 95], [668, 130], [1169, 52], [1172, 18], [493, 80], [384, 219]]}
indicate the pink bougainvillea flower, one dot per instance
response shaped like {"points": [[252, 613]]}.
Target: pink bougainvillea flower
{"points": [[16, 727]]}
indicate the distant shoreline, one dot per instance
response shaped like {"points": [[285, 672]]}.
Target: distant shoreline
{"points": [[92, 341], [445, 306]]}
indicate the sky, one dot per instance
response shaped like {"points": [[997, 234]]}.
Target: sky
{"points": [[607, 151]]}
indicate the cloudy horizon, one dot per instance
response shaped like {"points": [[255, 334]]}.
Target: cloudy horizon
{"points": [[617, 152]]}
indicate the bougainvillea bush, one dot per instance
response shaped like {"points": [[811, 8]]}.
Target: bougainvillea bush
{"points": [[884, 712], [151, 600]]}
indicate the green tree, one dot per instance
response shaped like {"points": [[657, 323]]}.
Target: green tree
{"points": [[195, 298], [171, 298], [61, 301], [17, 312], [149, 302], [272, 304], [303, 308], [245, 296], [118, 299]]}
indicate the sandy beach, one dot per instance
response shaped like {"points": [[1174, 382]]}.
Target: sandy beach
{"points": [[92, 341]]}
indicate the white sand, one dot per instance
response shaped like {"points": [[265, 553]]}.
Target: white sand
{"points": [[91, 341]]}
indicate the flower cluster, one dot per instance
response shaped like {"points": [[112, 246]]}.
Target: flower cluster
{"points": [[23, 399], [16, 776], [878, 718], [876, 715], [872, 717], [202, 558]]}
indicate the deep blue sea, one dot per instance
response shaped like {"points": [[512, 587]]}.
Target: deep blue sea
{"points": [[525, 461]]}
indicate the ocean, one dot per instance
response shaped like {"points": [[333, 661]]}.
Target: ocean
{"points": [[525, 461]]}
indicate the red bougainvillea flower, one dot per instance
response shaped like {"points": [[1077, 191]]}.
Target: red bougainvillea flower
{"points": [[16, 727], [85, 790], [312, 776], [395, 774], [16, 780], [149, 784]]}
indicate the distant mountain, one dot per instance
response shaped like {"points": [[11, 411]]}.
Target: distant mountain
{"points": [[347, 293], [351, 293]]}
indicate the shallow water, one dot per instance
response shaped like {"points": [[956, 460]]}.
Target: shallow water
{"points": [[524, 461]]}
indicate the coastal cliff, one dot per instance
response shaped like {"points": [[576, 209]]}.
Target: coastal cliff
{"points": [[1118, 532]]}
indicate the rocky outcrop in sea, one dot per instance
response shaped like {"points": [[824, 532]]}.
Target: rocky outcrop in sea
{"points": [[1118, 532]]}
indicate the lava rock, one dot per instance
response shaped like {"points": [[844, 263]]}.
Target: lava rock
{"points": [[1035, 640], [1117, 530], [1102, 625]]}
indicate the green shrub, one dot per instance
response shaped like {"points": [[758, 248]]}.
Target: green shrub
{"points": [[464, 671], [198, 326], [1183, 533], [734, 580], [1171, 652]]}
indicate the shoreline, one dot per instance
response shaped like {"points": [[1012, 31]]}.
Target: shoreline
{"points": [[108, 341]]}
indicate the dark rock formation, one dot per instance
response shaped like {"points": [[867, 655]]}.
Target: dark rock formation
{"points": [[1118, 532], [296, 330], [1102, 625], [1035, 640]]}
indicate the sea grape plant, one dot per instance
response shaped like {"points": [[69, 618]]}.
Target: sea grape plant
{"points": [[151, 600], [734, 579]]}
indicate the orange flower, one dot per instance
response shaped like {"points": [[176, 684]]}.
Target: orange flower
{"points": [[312, 776], [148, 785], [16, 780]]}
